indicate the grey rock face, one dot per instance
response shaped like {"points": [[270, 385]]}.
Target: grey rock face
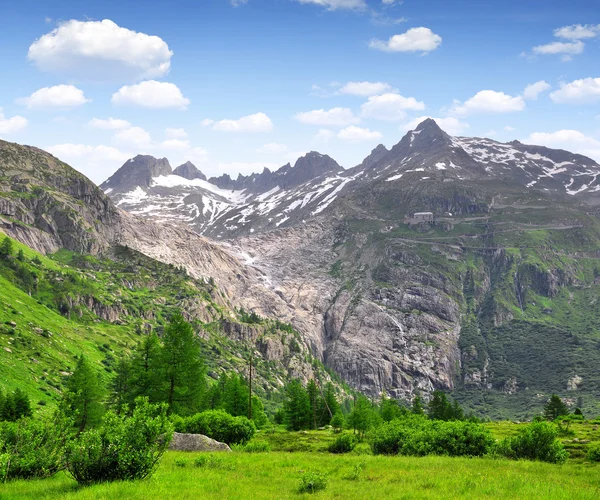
{"points": [[138, 171], [189, 171], [196, 442]]}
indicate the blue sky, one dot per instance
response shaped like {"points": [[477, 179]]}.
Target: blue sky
{"points": [[235, 88]]}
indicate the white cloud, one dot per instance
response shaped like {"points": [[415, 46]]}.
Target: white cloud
{"points": [[134, 137], [390, 107], [508, 128], [357, 134], [533, 90], [12, 124], [151, 94], [97, 162], [489, 101], [237, 3], [451, 125], [258, 122], [323, 136], [335, 117], [570, 140], [207, 122], [338, 4], [109, 123], [586, 90], [176, 133], [578, 31], [365, 89], [414, 40], [569, 48], [272, 148], [59, 96], [100, 51], [176, 144]]}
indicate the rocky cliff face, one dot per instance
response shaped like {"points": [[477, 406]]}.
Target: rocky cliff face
{"points": [[188, 171], [136, 172]]}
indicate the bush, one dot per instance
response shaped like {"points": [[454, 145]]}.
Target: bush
{"points": [[219, 425], [416, 435], [124, 447], [33, 448], [343, 444], [537, 441], [593, 453], [312, 481]]}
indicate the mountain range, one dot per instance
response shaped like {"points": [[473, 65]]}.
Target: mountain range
{"points": [[493, 300]]}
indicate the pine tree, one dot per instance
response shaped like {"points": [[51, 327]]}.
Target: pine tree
{"points": [[338, 421], [8, 412], [22, 404], [235, 396], [183, 367], [259, 417], [145, 375], [362, 417], [328, 406], [120, 387], [389, 409], [314, 400], [296, 407], [6, 248], [20, 255], [555, 408], [84, 395], [439, 407], [2, 401], [417, 406]]}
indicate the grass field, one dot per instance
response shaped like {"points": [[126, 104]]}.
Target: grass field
{"points": [[276, 475]]}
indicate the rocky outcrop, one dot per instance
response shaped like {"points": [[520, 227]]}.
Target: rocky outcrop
{"points": [[196, 442], [137, 172], [189, 171]]}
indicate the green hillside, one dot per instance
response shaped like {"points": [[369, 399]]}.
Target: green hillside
{"points": [[54, 308]]}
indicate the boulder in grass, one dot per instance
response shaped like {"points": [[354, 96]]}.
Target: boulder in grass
{"points": [[196, 442]]}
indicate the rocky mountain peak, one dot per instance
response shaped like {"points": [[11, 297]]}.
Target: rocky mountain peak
{"points": [[189, 171], [375, 156], [137, 171]]}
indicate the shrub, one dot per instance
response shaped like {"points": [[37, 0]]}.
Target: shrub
{"points": [[343, 444], [180, 462], [125, 447], [416, 435], [312, 481], [219, 425], [593, 453], [537, 441], [357, 472], [33, 448]]}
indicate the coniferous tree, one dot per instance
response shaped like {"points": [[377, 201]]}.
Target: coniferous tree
{"points": [[145, 369], [8, 410], [120, 387], [417, 406], [389, 409], [439, 407], [2, 401], [362, 417], [84, 395], [22, 404], [183, 368], [555, 408], [235, 396], [338, 421], [328, 405], [314, 401], [6, 248], [296, 407]]}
